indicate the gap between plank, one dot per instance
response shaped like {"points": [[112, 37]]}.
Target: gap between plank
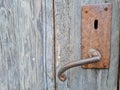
{"points": [[54, 44]]}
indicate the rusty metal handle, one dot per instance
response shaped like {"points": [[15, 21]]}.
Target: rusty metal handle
{"points": [[94, 57]]}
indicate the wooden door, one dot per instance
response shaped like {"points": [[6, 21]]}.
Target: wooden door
{"points": [[26, 45], [37, 37], [68, 47]]}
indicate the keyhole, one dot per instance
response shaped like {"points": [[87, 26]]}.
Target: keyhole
{"points": [[96, 24]]}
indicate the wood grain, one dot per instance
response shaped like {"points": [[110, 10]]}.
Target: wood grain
{"points": [[96, 36], [68, 47], [26, 45]]}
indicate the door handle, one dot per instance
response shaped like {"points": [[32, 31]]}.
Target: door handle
{"points": [[94, 55]]}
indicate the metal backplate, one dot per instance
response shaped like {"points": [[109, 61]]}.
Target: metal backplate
{"points": [[96, 25]]}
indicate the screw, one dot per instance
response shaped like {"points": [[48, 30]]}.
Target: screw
{"points": [[106, 9], [86, 11]]}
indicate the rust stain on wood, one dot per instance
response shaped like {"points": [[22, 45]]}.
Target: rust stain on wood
{"points": [[96, 25]]}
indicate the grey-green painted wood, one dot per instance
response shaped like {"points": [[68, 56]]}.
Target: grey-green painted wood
{"points": [[26, 45], [68, 47]]}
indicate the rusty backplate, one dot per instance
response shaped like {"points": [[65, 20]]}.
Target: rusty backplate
{"points": [[96, 25]]}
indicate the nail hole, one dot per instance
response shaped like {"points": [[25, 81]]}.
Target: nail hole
{"points": [[106, 1], [96, 24], [86, 11], [106, 9]]}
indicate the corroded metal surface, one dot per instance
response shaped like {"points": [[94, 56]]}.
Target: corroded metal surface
{"points": [[96, 25]]}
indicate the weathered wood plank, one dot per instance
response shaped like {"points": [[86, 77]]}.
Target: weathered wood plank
{"points": [[68, 47], [26, 45]]}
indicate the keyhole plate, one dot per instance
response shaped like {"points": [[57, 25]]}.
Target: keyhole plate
{"points": [[96, 25]]}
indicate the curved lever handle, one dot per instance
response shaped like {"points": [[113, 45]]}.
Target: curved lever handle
{"points": [[94, 57]]}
